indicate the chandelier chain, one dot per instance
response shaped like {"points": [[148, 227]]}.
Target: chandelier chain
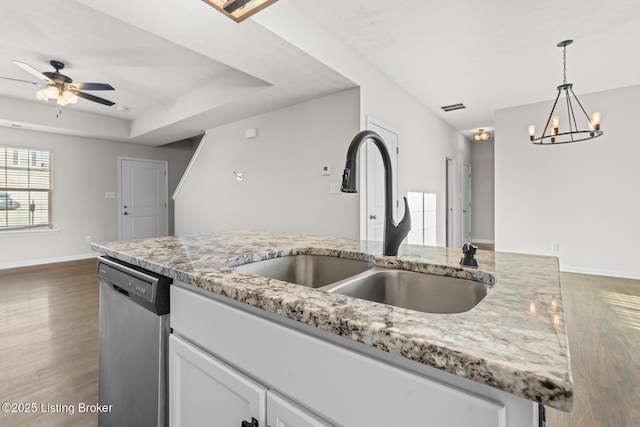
{"points": [[564, 62]]}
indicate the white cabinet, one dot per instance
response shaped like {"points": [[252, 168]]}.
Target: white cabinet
{"points": [[325, 376], [205, 391], [281, 412]]}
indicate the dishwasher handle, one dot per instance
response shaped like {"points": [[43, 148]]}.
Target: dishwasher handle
{"points": [[122, 291]]}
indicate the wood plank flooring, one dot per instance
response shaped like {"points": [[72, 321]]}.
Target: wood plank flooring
{"points": [[49, 343], [49, 346], [603, 324]]}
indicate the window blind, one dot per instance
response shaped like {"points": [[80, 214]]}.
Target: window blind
{"points": [[25, 188]]}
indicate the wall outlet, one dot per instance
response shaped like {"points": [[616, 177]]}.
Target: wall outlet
{"points": [[87, 239], [334, 187], [555, 246]]}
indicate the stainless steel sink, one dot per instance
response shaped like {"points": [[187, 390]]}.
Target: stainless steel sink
{"points": [[428, 293], [307, 270]]}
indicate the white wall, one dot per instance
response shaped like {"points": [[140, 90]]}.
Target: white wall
{"points": [[282, 187], [482, 191], [425, 140], [83, 170], [582, 195]]}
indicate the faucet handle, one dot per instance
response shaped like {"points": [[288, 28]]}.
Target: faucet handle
{"points": [[405, 222]]}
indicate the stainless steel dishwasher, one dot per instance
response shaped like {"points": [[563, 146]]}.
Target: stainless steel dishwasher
{"points": [[134, 332]]}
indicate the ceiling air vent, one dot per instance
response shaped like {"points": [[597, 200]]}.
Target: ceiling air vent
{"points": [[453, 107]]}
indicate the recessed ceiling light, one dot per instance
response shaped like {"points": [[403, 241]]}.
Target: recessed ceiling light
{"points": [[121, 108]]}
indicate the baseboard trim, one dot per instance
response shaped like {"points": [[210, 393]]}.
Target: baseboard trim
{"points": [[33, 262], [488, 242], [600, 272]]}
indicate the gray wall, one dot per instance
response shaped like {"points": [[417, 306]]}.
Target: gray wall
{"points": [[83, 170], [584, 195], [282, 187]]}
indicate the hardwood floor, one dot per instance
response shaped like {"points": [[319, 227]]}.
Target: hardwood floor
{"points": [[49, 343], [49, 346], [484, 246], [603, 323]]}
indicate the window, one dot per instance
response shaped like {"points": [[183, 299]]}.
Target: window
{"points": [[25, 188]]}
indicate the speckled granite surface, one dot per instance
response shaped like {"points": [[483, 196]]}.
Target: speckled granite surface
{"points": [[514, 340]]}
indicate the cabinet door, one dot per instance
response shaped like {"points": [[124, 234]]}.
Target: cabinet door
{"points": [[281, 412], [203, 391]]}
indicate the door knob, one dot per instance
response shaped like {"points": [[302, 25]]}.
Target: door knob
{"points": [[126, 213], [373, 217]]}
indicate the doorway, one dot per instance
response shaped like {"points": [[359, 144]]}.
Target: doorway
{"points": [[142, 196], [450, 190], [466, 204]]}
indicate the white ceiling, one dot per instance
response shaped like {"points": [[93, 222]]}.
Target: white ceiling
{"points": [[181, 67], [489, 54], [180, 70]]}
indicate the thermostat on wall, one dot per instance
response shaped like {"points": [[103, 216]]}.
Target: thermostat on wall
{"points": [[326, 170]]}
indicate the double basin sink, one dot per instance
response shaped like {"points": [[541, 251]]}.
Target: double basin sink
{"points": [[423, 292]]}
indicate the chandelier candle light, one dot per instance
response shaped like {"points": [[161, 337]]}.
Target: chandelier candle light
{"points": [[553, 122]]}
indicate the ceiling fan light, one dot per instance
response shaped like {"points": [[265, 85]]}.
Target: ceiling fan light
{"points": [[70, 97], [52, 92], [42, 95], [62, 101]]}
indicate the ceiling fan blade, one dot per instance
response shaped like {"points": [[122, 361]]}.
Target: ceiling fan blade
{"points": [[24, 81], [29, 69], [93, 98], [93, 86]]}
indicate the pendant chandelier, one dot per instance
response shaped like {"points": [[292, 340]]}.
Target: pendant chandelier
{"points": [[574, 134]]}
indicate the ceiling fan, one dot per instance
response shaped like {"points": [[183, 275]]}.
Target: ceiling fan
{"points": [[60, 87]]}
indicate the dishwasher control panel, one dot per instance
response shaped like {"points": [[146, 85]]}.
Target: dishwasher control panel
{"points": [[148, 289]]}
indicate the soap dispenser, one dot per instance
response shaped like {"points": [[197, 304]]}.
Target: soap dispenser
{"points": [[469, 255]]}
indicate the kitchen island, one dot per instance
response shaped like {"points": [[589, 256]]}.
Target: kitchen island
{"points": [[513, 343]]}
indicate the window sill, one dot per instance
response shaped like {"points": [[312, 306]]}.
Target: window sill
{"points": [[29, 232]]}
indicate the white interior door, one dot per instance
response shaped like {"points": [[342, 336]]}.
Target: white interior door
{"points": [[375, 179], [143, 198], [466, 204]]}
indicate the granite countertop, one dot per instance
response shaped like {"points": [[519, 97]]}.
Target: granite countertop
{"points": [[514, 340]]}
